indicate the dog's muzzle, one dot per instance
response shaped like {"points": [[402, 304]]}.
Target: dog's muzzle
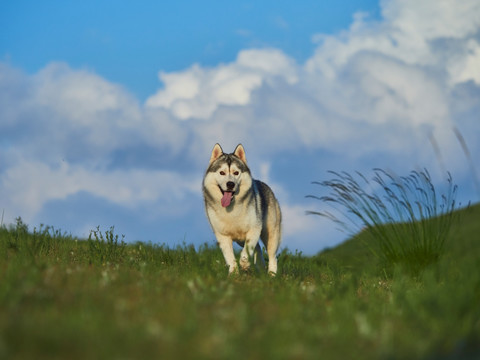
{"points": [[227, 194]]}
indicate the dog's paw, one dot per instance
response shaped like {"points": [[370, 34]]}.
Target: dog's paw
{"points": [[233, 271], [244, 262]]}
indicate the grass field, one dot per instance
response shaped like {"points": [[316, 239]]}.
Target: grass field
{"points": [[64, 298]]}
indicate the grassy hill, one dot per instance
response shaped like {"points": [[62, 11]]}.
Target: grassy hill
{"points": [[463, 242], [62, 297]]}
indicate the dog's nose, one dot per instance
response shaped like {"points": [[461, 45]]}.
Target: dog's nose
{"points": [[230, 185]]}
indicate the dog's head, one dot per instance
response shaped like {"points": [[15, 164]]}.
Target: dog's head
{"points": [[229, 173]]}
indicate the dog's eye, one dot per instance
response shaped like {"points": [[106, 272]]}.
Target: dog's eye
{"points": [[236, 173], [222, 172]]}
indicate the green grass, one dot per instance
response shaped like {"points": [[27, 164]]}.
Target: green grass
{"points": [[101, 298], [407, 220]]}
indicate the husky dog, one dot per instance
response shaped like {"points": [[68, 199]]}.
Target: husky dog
{"points": [[241, 209]]}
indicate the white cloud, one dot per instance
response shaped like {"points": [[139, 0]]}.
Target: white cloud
{"points": [[33, 184], [408, 33], [198, 92], [82, 96], [467, 67], [383, 90], [387, 81], [295, 222], [63, 113], [378, 88], [428, 20]]}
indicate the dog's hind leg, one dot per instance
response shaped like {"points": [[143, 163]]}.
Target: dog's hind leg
{"points": [[258, 257], [272, 261], [272, 239]]}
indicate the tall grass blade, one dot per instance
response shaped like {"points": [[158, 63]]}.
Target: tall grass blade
{"points": [[408, 220]]}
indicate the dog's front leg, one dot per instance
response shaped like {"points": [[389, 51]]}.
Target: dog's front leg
{"points": [[251, 248], [226, 245]]}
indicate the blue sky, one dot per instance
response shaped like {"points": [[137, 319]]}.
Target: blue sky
{"points": [[128, 43], [109, 110]]}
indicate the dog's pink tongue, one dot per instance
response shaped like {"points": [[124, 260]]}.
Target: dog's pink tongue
{"points": [[226, 199]]}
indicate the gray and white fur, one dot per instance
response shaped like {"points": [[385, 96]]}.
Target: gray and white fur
{"points": [[241, 209]]}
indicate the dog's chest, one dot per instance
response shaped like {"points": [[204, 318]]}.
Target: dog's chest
{"points": [[235, 223]]}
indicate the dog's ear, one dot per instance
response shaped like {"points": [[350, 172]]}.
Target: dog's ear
{"points": [[240, 153], [216, 153]]}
